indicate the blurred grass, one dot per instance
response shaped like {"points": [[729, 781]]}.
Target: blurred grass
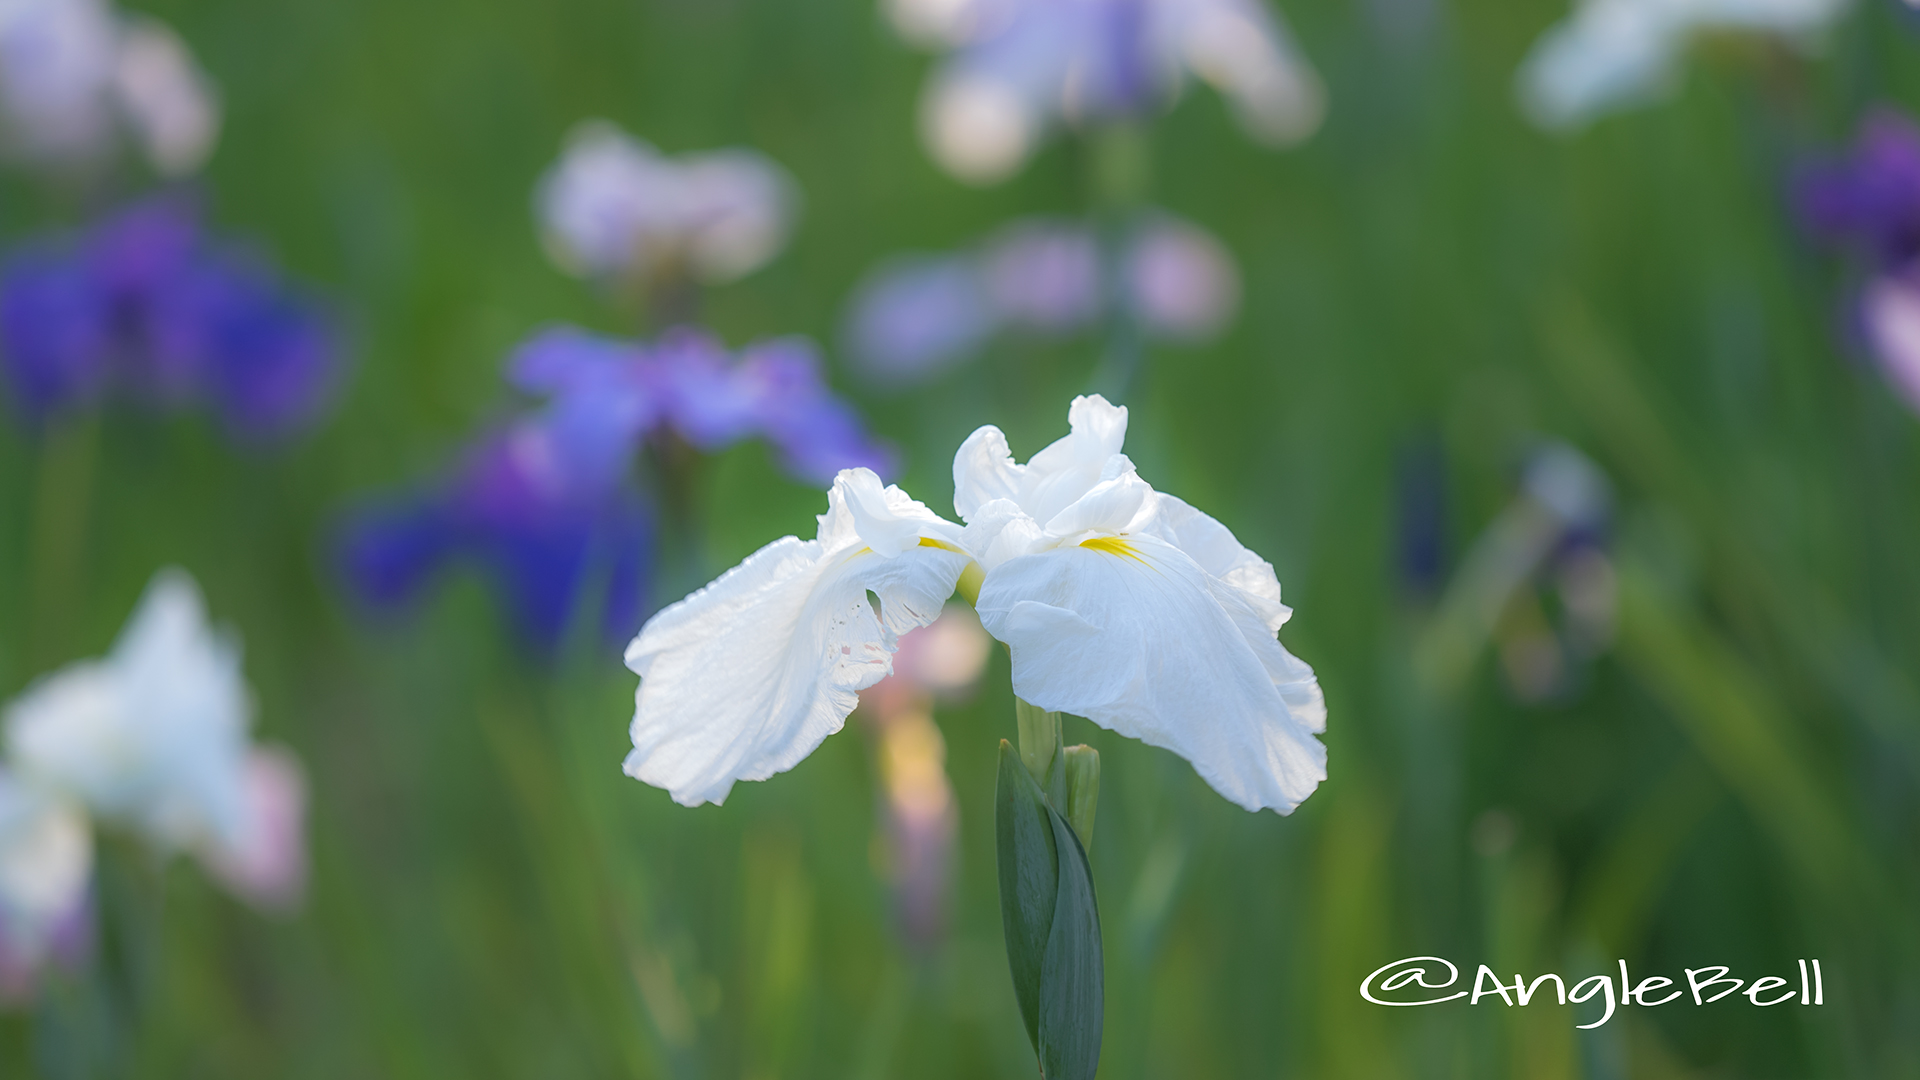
{"points": [[492, 898]]}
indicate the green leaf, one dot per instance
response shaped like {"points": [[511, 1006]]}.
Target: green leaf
{"points": [[1073, 978], [1052, 922], [1029, 881]]}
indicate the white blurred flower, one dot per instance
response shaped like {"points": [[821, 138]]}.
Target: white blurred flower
{"points": [[1183, 282], [46, 864], [613, 207], [1023, 66], [57, 61], [266, 864], [169, 102], [154, 738], [76, 77], [1611, 55], [1118, 603]]}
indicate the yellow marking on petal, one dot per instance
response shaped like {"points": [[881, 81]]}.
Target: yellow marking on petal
{"points": [[928, 541], [1115, 545]]}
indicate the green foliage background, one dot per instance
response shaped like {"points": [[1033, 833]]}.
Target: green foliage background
{"points": [[1735, 784]]}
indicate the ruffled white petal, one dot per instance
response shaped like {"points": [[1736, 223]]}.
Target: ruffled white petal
{"points": [[1132, 633], [1066, 470], [1110, 506], [746, 677], [983, 471]]}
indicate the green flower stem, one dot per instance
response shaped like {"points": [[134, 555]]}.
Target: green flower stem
{"points": [[1121, 173], [60, 528]]}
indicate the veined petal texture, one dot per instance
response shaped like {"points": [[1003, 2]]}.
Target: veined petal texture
{"points": [[1132, 634], [746, 677]]}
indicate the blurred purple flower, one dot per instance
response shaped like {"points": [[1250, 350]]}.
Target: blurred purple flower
{"points": [[1021, 69], [146, 303], [545, 502], [536, 529], [1869, 202], [603, 398], [704, 402], [1044, 274], [917, 315], [783, 383], [55, 332], [1870, 198]]}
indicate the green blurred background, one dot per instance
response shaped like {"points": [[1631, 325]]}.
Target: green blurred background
{"points": [[1732, 783]]}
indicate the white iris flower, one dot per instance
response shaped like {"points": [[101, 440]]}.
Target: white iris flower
{"points": [[1118, 603], [153, 736]]}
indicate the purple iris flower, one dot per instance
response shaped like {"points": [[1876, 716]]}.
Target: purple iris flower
{"points": [[54, 332], [1870, 198], [147, 304], [783, 384], [1869, 202], [704, 400], [536, 531], [545, 504], [603, 398]]}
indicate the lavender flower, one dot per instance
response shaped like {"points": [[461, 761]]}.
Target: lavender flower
{"points": [[1020, 68], [914, 317], [1182, 282], [146, 304], [613, 207], [1044, 274], [1868, 203]]}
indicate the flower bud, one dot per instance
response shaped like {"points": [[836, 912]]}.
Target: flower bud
{"points": [[1083, 790]]}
